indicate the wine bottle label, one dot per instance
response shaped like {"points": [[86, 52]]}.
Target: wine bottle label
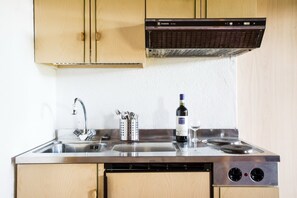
{"points": [[182, 125]]}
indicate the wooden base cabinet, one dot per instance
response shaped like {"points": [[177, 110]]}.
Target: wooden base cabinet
{"points": [[246, 192], [156, 185], [57, 181]]}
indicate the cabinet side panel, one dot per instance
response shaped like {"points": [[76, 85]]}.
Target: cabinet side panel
{"points": [[58, 31], [57, 180], [267, 90]]}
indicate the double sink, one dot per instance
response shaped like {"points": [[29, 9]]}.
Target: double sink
{"points": [[60, 147]]}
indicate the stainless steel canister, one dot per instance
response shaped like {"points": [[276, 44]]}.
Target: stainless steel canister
{"points": [[129, 129]]}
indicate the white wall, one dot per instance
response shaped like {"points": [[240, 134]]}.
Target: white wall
{"points": [[153, 93], [28, 91]]}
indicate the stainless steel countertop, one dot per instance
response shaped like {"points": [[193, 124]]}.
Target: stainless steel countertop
{"points": [[185, 153]]}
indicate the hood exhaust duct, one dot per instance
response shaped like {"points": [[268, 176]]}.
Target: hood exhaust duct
{"points": [[202, 37]]}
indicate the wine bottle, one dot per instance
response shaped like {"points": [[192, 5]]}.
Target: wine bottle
{"points": [[182, 121]]}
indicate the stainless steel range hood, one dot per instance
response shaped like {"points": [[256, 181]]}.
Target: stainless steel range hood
{"points": [[202, 37]]}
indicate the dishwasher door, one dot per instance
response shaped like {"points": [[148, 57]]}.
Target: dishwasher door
{"points": [[179, 182]]}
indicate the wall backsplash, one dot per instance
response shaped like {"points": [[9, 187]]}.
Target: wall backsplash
{"points": [[152, 92]]}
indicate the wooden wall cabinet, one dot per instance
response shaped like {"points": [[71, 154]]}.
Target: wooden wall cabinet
{"points": [[231, 8], [59, 31], [201, 8], [120, 31], [246, 192], [162, 184], [96, 32], [170, 8]]}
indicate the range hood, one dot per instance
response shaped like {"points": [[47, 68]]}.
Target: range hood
{"points": [[202, 37]]}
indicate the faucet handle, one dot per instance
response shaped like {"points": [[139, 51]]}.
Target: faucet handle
{"points": [[77, 132], [86, 136]]}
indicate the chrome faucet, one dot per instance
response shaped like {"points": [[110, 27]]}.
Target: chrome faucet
{"points": [[74, 112]]}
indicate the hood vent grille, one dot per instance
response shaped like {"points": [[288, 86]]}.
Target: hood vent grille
{"points": [[162, 53], [205, 39], [194, 40]]}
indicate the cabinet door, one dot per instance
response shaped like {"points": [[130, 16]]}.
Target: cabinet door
{"points": [[59, 25], [248, 192], [120, 30], [57, 180], [170, 8], [165, 185], [231, 8]]}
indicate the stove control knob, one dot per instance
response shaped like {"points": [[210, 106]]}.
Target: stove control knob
{"points": [[235, 174], [257, 174]]}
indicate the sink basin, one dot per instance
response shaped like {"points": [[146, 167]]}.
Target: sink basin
{"points": [[146, 147], [72, 148]]}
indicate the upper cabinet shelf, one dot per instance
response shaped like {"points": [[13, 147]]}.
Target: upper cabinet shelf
{"points": [[96, 33]]}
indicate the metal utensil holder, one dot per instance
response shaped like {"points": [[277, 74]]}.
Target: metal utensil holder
{"points": [[129, 129]]}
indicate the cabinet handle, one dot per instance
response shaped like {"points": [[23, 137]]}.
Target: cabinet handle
{"points": [[82, 36], [93, 194], [98, 36]]}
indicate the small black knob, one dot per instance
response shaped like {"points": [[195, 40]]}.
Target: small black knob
{"points": [[235, 174], [257, 174]]}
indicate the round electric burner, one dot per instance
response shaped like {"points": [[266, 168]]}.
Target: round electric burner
{"points": [[237, 149], [223, 141]]}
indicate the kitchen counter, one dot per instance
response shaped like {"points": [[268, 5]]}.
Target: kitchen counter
{"points": [[202, 152]]}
